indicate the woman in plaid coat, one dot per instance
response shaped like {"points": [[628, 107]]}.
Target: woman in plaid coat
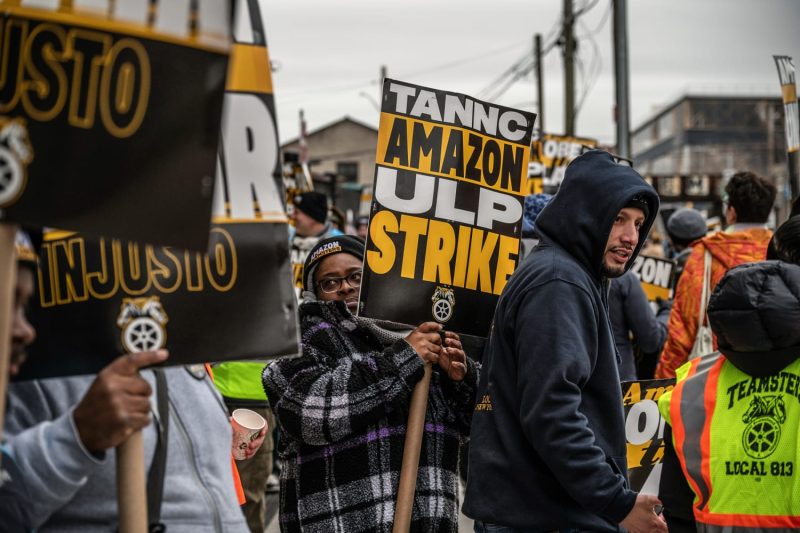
{"points": [[343, 406]]}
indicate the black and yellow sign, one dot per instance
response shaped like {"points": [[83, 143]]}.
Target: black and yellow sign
{"points": [[656, 275], [644, 432], [109, 117], [550, 155], [446, 215], [98, 299]]}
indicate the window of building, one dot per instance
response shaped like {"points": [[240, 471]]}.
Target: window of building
{"points": [[348, 169]]}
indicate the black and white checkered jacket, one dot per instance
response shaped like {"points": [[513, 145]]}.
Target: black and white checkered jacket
{"points": [[342, 408]]}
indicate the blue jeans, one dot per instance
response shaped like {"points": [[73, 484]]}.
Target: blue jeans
{"points": [[485, 527]]}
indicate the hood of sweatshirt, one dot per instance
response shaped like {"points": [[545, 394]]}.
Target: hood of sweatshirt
{"points": [[580, 217]]}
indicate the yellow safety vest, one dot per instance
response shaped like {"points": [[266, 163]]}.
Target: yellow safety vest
{"points": [[240, 380], [737, 438]]}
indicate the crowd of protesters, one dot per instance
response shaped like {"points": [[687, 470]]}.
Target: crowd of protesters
{"points": [[540, 405]]}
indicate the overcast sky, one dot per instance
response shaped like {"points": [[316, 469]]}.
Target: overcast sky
{"points": [[327, 54]]}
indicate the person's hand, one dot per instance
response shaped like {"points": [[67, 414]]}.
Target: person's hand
{"points": [[427, 341], [117, 403], [453, 360], [643, 518], [255, 444]]}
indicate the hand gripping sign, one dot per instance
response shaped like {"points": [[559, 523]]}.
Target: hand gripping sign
{"points": [[447, 210]]}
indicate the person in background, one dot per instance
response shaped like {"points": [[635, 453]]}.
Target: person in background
{"points": [[309, 224], [337, 218], [534, 203], [547, 447], [684, 226], [785, 244], [634, 322], [734, 413], [16, 502], [343, 408], [239, 382], [362, 227], [749, 203]]}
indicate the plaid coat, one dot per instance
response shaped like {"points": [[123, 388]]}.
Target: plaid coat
{"points": [[342, 408]]}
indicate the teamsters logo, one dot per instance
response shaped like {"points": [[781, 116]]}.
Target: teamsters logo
{"points": [[142, 321], [444, 301], [15, 155], [763, 417]]}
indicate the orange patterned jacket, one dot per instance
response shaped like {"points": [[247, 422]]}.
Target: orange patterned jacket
{"points": [[727, 251]]}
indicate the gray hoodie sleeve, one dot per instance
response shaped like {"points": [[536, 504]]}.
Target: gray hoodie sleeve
{"points": [[44, 441]]}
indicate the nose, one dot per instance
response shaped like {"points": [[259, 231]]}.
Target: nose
{"points": [[346, 288], [22, 332], [630, 235]]}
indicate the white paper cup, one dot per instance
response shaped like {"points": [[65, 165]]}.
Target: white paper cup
{"points": [[247, 425]]}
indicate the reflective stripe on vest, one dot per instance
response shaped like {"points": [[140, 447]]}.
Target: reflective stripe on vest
{"points": [[685, 413], [709, 528], [694, 410]]}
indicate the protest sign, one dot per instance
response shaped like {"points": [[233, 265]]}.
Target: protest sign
{"points": [[550, 155], [656, 275], [100, 298], [110, 114], [644, 432], [791, 119], [446, 215]]}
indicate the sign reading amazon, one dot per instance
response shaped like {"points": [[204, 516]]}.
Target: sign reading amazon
{"points": [[109, 111], [656, 275], [97, 298], [446, 215]]}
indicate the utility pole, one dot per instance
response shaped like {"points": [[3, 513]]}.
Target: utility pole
{"points": [[621, 78], [537, 61], [569, 69]]}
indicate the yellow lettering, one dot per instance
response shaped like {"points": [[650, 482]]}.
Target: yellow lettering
{"points": [[413, 227], [480, 254], [382, 260], [438, 252], [506, 262]]}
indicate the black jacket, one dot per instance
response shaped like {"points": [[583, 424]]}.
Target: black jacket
{"points": [[547, 444], [631, 314]]}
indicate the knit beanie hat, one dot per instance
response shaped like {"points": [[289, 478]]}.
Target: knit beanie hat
{"points": [[313, 204], [686, 225], [534, 203], [755, 312], [639, 201], [349, 244]]}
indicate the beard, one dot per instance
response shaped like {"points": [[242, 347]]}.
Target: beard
{"points": [[612, 271]]}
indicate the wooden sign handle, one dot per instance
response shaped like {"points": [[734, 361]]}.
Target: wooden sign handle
{"points": [[8, 284], [131, 488], [411, 451]]}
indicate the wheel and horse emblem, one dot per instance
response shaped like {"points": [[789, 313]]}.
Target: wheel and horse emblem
{"points": [[763, 417], [142, 321], [444, 301], [15, 155]]}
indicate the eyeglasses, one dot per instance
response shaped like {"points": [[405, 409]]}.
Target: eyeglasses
{"points": [[618, 159], [334, 284]]}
